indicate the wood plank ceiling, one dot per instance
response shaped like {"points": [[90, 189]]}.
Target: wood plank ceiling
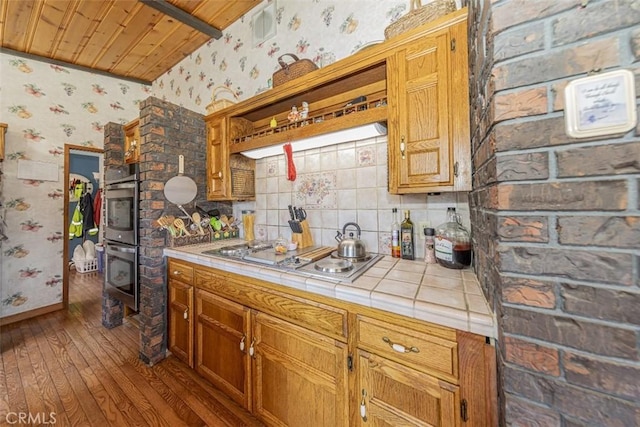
{"points": [[126, 38]]}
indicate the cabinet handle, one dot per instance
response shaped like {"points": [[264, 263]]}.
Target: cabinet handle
{"points": [[252, 350], [177, 272], [363, 406], [244, 337], [186, 314], [402, 147], [220, 174], [399, 347]]}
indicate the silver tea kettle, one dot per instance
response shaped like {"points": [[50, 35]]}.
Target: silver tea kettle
{"points": [[350, 247]]}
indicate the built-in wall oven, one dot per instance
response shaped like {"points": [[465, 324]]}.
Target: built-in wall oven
{"points": [[121, 239]]}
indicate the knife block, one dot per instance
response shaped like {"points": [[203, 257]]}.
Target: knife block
{"points": [[304, 239]]}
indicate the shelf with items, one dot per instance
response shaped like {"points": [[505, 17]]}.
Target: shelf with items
{"points": [[352, 100], [132, 141]]}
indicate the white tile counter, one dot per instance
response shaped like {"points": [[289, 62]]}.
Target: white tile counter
{"points": [[432, 293]]}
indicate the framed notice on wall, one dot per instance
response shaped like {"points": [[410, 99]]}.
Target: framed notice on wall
{"points": [[602, 104]]}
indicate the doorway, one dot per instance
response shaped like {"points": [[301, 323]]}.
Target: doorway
{"points": [[83, 166]]}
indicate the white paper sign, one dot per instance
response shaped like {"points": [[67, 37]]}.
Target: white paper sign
{"points": [[602, 104], [38, 171]]}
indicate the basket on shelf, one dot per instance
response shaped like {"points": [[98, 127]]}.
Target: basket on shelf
{"points": [[193, 239], [292, 70], [86, 265], [419, 15], [219, 104]]}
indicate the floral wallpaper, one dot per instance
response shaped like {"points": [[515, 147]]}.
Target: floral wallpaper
{"points": [[323, 31], [47, 106]]}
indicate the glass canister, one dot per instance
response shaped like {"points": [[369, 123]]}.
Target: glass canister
{"points": [[248, 221], [452, 243]]}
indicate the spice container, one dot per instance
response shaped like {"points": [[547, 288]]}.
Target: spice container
{"points": [[248, 220], [429, 246]]}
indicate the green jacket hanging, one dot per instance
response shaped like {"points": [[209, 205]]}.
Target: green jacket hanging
{"points": [[75, 228]]}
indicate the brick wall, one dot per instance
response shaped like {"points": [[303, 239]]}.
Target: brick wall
{"points": [[556, 220], [166, 131]]}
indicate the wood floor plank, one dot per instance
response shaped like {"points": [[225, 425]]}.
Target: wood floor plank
{"points": [[35, 404], [45, 384], [68, 363], [15, 392], [66, 389]]}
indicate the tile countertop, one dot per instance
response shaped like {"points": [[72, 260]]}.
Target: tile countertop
{"points": [[428, 292]]}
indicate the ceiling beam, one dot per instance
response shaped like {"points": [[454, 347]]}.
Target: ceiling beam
{"points": [[176, 13]]}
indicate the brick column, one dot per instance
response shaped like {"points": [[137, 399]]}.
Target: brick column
{"points": [[112, 309], [555, 219]]}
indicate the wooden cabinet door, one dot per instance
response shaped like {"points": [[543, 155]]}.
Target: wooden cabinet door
{"points": [[218, 181], [222, 344], [299, 376], [180, 315], [419, 143], [391, 394]]}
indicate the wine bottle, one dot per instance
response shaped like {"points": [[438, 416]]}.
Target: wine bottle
{"points": [[395, 235], [407, 247]]}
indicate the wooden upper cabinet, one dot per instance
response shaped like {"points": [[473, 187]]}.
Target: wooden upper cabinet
{"points": [[132, 142], [217, 159], [229, 176], [429, 145]]}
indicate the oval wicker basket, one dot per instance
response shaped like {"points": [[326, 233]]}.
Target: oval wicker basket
{"points": [[420, 15], [219, 104]]}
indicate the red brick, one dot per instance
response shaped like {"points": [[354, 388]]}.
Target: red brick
{"points": [[606, 231], [504, 16], [521, 167], [587, 265], [523, 413], [571, 331], [595, 19], [602, 375], [609, 159], [523, 229], [534, 293], [558, 64], [532, 356], [523, 103], [598, 303], [519, 41], [564, 196], [544, 132]]}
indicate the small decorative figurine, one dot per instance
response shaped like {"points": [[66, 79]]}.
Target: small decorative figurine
{"points": [[294, 115], [305, 111], [273, 123]]}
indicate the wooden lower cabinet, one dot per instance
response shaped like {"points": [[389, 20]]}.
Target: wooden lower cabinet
{"points": [[222, 344], [259, 345], [299, 376], [392, 394], [180, 311]]}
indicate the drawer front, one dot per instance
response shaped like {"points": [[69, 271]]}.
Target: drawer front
{"points": [[411, 347], [321, 318], [180, 271]]}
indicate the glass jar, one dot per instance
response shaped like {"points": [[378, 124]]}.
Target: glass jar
{"points": [[452, 243], [248, 220]]}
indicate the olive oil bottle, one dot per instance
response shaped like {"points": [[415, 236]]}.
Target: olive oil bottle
{"points": [[407, 243]]}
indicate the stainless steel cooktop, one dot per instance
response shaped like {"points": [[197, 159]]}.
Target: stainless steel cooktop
{"points": [[327, 268]]}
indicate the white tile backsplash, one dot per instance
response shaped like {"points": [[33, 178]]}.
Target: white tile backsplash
{"points": [[340, 184]]}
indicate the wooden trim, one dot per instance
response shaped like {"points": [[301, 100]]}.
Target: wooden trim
{"points": [[174, 12], [65, 231], [3, 130], [31, 314], [46, 60]]}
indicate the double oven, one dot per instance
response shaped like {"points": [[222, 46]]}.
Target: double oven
{"points": [[121, 195]]}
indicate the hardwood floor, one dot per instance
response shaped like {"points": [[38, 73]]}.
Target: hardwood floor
{"points": [[66, 369]]}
